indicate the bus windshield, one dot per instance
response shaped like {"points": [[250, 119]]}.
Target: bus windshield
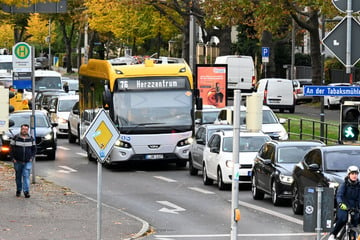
{"points": [[153, 109]]}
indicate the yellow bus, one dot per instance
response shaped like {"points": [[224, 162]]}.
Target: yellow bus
{"points": [[150, 103]]}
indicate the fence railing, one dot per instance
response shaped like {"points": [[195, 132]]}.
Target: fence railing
{"points": [[309, 129]]}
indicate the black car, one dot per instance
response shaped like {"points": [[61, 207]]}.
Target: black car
{"points": [[322, 166], [46, 140], [273, 166]]}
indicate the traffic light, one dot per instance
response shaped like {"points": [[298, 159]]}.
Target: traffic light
{"points": [[349, 122]]}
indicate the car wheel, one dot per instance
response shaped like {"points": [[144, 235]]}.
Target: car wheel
{"points": [[274, 196], [206, 180], [292, 110], [71, 137], [181, 163], [295, 203], [193, 171], [220, 182], [78, 134], [89, 155], [256, 193], [51, 155]]}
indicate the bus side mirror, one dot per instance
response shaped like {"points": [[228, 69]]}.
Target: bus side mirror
{"points": [[106, 98]]}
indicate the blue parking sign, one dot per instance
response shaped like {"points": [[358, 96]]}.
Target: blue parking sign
{"points": [[265, 51]]}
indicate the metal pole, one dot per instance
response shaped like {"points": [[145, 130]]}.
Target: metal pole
{"points": [[192, 42], [322, 114], [348, 36], [49, 55], [236, 165], [86, 42], [292, 70], [99, 192], [319, 191], [33, 120]]}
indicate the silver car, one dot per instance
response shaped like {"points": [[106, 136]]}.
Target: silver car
{"points": [[202, 135]]}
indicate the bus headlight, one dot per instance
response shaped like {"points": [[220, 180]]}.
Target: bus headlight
{"points": [[122, 144], [184, 142]]}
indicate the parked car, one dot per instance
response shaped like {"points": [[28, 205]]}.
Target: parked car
{"points": [[299, 90], [46, 138], [59, 110], [271, 125], [202, 135], [74, 124], [218, 160], [273, 165], [322, 166], [334, 101], [278, 93]]}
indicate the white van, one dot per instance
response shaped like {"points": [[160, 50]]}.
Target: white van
{"points": [[278, 93], [241, 72]]}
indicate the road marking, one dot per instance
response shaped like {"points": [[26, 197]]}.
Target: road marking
{"points": [[170, 237], [165, 179], [82, 154], [66, 169], [64, 148], [196, 189], [272, 213], [175, 208]]}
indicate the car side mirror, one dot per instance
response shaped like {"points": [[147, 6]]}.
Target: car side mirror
{"points": [[267, 161], [54, 124], [11, 123], [200, 141], [76, 111], [214, 150], [52, 110], [314, 167], [282, 120]]}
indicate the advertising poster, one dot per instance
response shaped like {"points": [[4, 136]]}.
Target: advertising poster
{"points": [[211, 82]]}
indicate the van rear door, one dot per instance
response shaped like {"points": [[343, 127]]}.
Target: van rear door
{"points": [[280, 92]]}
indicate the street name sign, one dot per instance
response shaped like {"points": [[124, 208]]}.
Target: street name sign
{"points": [[313, 90], [335, 41], [101, 135], [341, 5], [22, 65]]}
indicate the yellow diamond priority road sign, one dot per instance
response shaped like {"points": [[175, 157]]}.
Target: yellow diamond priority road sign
{"points": [[101, 135]]}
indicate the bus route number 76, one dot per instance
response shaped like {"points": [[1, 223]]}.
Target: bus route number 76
{"points": [[123, 84]]}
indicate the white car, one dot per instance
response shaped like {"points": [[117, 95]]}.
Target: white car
{"points": [[74, 124], [59, 110], [271, 125], [331, 101], [218, 160]]}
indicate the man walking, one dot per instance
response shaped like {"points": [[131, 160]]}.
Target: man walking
{"points": [[22, 153]]}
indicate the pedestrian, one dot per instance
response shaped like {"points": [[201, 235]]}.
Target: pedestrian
{"points": [[66, 87], [22, 153], [64, 61], [347, 197]]}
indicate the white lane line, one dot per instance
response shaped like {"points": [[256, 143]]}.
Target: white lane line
{"points": [[82, 154], [196, 189], [64, 148], [165, 179], [273, 213], [66, 169], [163, 237]]}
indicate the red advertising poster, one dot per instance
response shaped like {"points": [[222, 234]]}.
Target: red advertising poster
{"points": [[211, 82]]}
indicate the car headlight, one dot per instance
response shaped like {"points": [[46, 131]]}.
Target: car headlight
{"points": [[333, 184], [286, 179], [5, 137], [48, 136], [229, 163]]}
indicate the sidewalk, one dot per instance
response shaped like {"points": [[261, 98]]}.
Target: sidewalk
{"points": [[55, 213]]}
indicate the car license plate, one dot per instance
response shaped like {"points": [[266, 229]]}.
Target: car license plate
{"points": [[154, 156]]}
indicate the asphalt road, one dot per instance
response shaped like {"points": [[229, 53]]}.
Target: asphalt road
{"points": [[176, 205]]}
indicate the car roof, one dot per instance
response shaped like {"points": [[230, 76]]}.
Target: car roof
{"points": [[47, 73], [298, 143], [243, 108], [68, 96], [29, 112], [227, 133], [334, 148], [217, 126]]}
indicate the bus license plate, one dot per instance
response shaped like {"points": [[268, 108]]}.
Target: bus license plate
{"points": [[154, 156]]}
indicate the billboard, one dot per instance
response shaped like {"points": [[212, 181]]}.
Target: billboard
{"points": [[211, 81]]}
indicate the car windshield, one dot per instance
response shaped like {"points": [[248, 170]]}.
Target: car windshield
{"points": [[20, 119], [66, 105], [340, 160], [247, 144], [209, 117], [292, 154]]}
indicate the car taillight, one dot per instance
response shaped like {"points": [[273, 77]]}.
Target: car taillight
{"points": [[298, 91], [265, 94], [5, 149], [253, 81]]}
